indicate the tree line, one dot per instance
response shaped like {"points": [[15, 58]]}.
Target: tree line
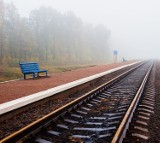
{"points": [[50, 37]]}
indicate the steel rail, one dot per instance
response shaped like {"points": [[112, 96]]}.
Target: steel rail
{"points": [[51, 117], [122, 129]]}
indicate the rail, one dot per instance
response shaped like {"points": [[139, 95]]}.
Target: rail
{"points": [[120, 134]]}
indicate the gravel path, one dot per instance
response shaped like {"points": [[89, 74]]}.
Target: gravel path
{"points": [[19, 88]]}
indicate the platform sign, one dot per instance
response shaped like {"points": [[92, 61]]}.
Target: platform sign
{"points": [[115, 53]]}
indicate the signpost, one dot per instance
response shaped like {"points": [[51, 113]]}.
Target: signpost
{"points": [[115, 53]]}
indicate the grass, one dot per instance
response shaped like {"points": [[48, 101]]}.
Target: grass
{"points": [[11, 73], [7, 73]]}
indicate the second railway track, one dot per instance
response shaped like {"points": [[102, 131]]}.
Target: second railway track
{"points": [[94, 117]]}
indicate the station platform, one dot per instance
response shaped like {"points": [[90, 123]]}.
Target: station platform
{"points": [[15, 94]]}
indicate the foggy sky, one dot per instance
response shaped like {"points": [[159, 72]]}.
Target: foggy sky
{"points": [[134, 24]]}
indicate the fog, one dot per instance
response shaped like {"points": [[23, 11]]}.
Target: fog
{"points": [[134, 25]]}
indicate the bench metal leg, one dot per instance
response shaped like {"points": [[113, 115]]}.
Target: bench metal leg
{"points": [[24, 76], [34, 75]]}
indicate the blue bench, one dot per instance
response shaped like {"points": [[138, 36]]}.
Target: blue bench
{"points": [[31, 68], [123, 59]]}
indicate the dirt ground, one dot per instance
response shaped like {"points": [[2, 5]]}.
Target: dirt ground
{"points": [[19, 88]]}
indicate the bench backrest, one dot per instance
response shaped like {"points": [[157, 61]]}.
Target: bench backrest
{"points": [[29, 66]]}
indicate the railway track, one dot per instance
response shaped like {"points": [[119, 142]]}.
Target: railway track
{"points": [[139, 127], [102, 115]]}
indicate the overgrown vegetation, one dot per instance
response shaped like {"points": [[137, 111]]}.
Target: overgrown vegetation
{"points": [[50, 37]]}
